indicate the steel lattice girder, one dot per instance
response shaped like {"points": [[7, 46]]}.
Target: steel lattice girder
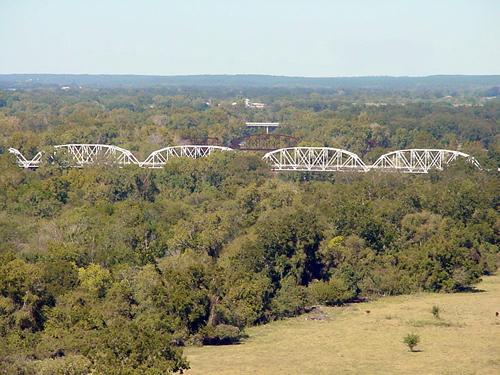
{"points": [[314, 159], [23, 162], [158, 158], [420, 160], [91, 153]]}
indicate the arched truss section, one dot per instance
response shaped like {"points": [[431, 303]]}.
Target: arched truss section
{"points": [[23, 162], [264, 142], [158, 158], [84, 154], [324, 159], [420, 160]]}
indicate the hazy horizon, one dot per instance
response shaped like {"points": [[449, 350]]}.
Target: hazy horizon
{"points": [[295, 38], [252, 74]]}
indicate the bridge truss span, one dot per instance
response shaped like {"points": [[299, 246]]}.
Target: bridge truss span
{"points": [[308, 159], [305, 159], [23, 162], [420, 160], [158, 158], [85, 154]]}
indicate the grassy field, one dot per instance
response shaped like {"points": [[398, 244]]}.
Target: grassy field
{"points": [[465, 340]]}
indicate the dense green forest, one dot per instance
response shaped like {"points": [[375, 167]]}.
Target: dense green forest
{"points": [[113, 270]]}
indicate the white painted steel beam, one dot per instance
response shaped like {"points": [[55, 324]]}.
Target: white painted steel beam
{"points": [[158, 158], [23, 162], [420, 160], [322, 159], [85, 154]]}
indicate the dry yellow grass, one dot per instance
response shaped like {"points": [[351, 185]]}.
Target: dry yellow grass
{"points": [[466, 340]]}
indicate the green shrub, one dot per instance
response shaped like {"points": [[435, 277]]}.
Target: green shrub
{"points": [[222, 334], [245, 301], [333, 292], [290, 300], [435, 311], [411, 340], [69, 365]]}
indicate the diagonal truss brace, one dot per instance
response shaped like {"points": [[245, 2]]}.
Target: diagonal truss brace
{"points": [[158, 158], [324, 159]]}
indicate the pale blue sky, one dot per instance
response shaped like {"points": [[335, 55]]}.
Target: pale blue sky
{"points": [[280, 37]]}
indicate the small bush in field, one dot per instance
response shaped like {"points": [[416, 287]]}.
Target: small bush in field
{"points": [[411, 340], [435, 311], [222, 334]]}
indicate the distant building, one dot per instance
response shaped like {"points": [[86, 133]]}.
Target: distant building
{"points": [[249, 104]]}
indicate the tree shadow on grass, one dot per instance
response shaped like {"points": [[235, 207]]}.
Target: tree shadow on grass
{"points": [[471, 290]]}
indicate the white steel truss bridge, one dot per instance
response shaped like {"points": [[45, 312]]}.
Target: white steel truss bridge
{"points": [[158, 158], [420, 160], [324, 159], [305, 159], [84, 154]]}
